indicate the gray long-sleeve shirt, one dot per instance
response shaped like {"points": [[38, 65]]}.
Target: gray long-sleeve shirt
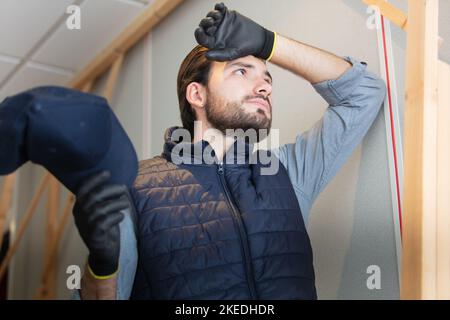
{"points": [[354, 99]]}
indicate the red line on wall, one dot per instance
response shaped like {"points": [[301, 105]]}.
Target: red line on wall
{"points": [[392, 124]]}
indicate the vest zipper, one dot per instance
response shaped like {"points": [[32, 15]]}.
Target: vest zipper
{"points": [[242, 233]]}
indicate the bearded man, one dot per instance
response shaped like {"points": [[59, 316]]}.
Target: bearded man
{"points": [[209, 222]]}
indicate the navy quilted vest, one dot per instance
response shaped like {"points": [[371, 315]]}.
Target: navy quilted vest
{"points": [[219, 231]]}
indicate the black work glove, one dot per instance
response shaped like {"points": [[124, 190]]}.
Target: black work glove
{"points": [[230, 35], [97, 217]]}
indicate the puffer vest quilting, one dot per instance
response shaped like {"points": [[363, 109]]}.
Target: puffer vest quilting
{"points": [[219, 231]]}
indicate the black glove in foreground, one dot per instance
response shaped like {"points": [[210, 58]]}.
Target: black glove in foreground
{"points": [[230, 35], [97, 217]]}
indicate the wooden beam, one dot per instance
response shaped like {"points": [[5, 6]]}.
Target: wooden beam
{"points": [[130, 36], [389, 11], [87, 86], [5, 201], [43, 290], [24, 223], [443, 214], [397, 16], [112, 78], [54, 189], [63, 221], [421, 120]]}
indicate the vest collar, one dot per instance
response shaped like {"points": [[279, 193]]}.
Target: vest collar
{"points": [[178, 151]]}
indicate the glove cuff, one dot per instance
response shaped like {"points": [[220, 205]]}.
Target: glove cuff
{"points": [[269, 45], [101, 271]]}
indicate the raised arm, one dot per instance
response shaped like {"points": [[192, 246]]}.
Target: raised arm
{"points": [[312, 64], [354, 99]]}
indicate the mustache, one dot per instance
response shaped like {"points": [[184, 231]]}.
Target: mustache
{"points": [[259, 97]]}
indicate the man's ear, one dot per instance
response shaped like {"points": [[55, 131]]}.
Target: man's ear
{"points": [[196, 95]]}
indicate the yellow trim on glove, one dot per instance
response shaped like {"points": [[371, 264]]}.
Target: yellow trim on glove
{"points": [[101, 277], [274, 45]]}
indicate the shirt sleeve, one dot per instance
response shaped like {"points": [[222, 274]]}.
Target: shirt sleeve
{"points": [[354, 99], [128, 258]]}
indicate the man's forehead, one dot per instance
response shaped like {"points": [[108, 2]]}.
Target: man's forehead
{"points": [[247, 60]]}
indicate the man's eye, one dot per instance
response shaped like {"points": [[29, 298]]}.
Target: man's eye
{"points": [[242, 71]]}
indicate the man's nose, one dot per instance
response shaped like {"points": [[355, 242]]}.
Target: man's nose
{"points": [[262, 87]]}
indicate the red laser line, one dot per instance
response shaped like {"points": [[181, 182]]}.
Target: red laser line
{"points": [[392, 125]]}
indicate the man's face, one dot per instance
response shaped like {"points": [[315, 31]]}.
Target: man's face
{"points": [[239, 95]]}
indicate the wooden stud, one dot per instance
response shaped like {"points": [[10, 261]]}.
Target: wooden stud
{"points": [[389, 11], [443, 186], [420, 200], [43, 291], [397, 16], [24, 223], [87, 86], [65, 216], [50, 236], [5, 201], [112, 78]]}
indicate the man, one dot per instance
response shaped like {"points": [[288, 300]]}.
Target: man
{"points": [[224, 230]]}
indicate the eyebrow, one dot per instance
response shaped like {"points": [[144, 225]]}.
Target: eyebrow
{"points": [[249, 66]]}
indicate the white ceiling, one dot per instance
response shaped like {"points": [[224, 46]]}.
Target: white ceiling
{"points": [[37, 48]]}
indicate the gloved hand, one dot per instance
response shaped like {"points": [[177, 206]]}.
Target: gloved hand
{"points": [[97, 217], [230, 35]]}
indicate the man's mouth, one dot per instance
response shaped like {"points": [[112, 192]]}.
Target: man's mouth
{"points": [[261, 103]]}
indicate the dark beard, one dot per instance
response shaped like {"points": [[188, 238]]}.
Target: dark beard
{"points": [[232, 116]]}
